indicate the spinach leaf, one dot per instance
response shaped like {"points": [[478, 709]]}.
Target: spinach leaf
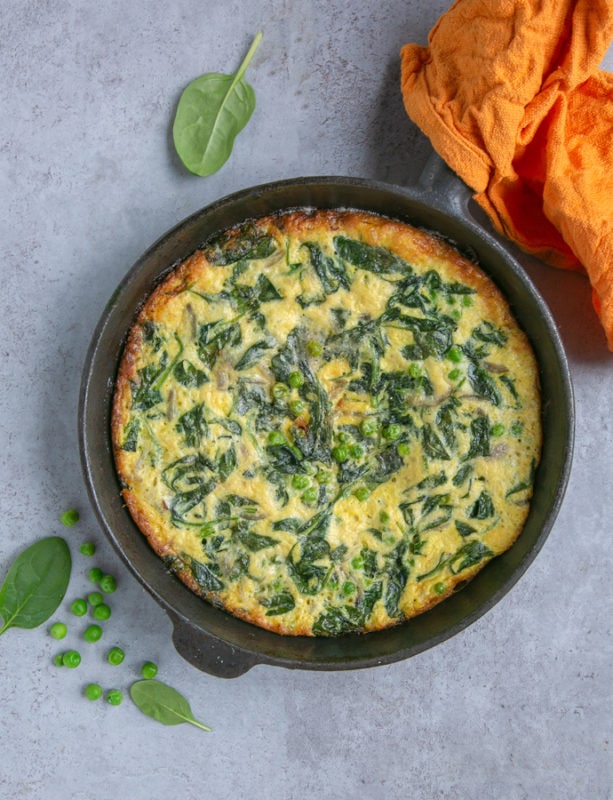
{"points": [[338, 621], [193, 425], [188, 375], [254, 541], [130, 435], [279, 603], [308, 575], [204, 574], [479, 438], [482, 384], [432, 445], [397, 575], [244, 243], [226, 463], [212, 111], [214, 336], [252, 355], [468, 555], [331, 272], [482, 508], [374, 259], [433, 335], [163, 703], [35, 584]]}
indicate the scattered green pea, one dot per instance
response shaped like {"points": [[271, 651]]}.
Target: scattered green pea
{"points": [[95, 574], [467, 300], [280, 391], [87, 549], [300, 481], [498, 429], [93, 633], [69, 518], [58, 630], [384, 517], [414, 370], [343, 437], [310, 495], [517, 429], [114, 697], [108, 584], [357, 562], [93, 691], [115, 656], [454, 374], [149, 670], [95, 598], [314, 348], [79, 607], [348, 588], [71, 658], [296, 407], [276, 438], [295, 379], [362, 493], [454, 354], [392, 431], [340, 453], [101, 611], [58, 659], [323, 477], [356, 450], [439, 588], [368, 427]]}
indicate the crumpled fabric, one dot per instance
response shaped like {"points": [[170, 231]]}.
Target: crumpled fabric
{"points": [[511, 96]]}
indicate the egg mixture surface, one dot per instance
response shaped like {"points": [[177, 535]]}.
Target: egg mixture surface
{"points": [[326, 421]]}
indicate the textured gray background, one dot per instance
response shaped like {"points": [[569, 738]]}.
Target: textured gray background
{"points": [[518, 705]]}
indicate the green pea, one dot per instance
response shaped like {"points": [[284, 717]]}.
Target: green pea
{"points": [[115, 656], [343, 437], [95, 574], [108, 584], [454, 354], [69, 518], [295, 379], [79, 608], [296, 407], [348, 588], [314, 348], [58, 660], [276, 438], [114, 697], [403, 449], [310, 495], [357, 562], [392, 431], [94, 598], [498, 429], [149, 670], [356, 451], [87, 548], [454, 374], [362, 493], [340, 453], [58, 630], [71, 658], [93, 691], [101, 611], [517, 429], [300, 481], [467, 300], [414, 370], [368, 427], [93, 633], [439, 588], [384, 517], [323, 477], [456, 314], [280, 391]]}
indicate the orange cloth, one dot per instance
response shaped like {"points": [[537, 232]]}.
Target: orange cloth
{"points": [[510, 95]]}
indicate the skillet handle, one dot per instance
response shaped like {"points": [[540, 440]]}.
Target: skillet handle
{"points": [[445, 188], [208, 653]]}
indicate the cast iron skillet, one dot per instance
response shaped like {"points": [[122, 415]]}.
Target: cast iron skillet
{"points": [[207, 637]]}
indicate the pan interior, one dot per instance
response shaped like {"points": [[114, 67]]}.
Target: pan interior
{"points": [[348, 651]]}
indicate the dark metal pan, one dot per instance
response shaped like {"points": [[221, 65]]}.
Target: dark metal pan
{"points": [[207, 637]]}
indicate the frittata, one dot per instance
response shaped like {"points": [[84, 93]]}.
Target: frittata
{"points": [[326, 421]]}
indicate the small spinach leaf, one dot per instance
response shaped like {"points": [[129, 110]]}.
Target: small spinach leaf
{"points": [[163, 703], [212, 111], [35, 584]]}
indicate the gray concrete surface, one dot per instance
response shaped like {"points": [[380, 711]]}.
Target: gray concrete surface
{"points": [[516, 707]]}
